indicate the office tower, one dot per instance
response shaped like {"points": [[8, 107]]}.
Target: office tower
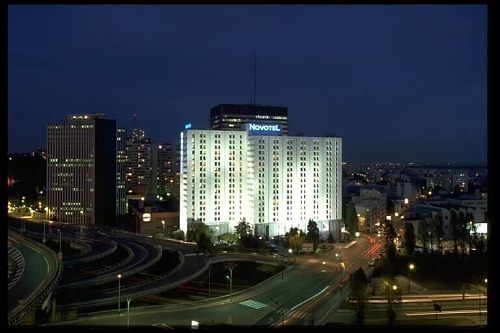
{"points": [[165, 177], [139, 163], [235, 116], [121, 167], [81, 170], [274, 182]]}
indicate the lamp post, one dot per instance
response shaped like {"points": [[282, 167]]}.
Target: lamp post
{"points": [[342, 267], [128, 311], [60, 252], [43, 239], [230, 278], [290, 251], [163, 227], [119, 286], [479, 302], [394, 287], [209, 273], [411, 268], [278, 309]]}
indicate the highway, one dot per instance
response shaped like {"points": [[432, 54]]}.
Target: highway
{"points": [[455, 310], [41, 270], [293, 297]]}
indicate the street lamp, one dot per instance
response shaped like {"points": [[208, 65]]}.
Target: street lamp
{"points": [[128, 311], [43, 239], [411, 267], [479, 294], [278, 309], [342, 265], [230, 278], [163, 227], [356, 234], [209, 273], [60, 252], [119, 286], [290, 251]]}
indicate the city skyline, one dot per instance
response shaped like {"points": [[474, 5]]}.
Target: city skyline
{"points": [[388, 96]]}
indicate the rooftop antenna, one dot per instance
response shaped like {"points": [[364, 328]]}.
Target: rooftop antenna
{"points": [[254, 77], [135, 120]]}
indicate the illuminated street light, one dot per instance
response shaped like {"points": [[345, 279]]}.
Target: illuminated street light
{"points": [[60, 252], [411, 267], [290, 251], [163, 226], [357, 234], [119, 286], [43, 239]]}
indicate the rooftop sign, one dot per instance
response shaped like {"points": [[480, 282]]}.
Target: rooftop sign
{"points": [[263, 129]]}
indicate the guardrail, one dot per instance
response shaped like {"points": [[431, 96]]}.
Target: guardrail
{"points": [[81, 277], [97, 256], [111, 277], [18, 259], [245, 257], [37, 300]]}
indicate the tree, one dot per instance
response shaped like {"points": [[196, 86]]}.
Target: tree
{"points": [[393, 295], [204, 243], [429, 222], [228, 238], [390, 237], [359, 285], [178, 234], [454, 230], [330, 238], [438, 230], [462, 227], [195, 230], [409, 238], [423, 233], [352, 222], [294, 239], [469, 218], [312, 233], [243, 229]]}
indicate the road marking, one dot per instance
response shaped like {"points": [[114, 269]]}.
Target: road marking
{"points": [[296, 306], [253, 304], [432, 313]]}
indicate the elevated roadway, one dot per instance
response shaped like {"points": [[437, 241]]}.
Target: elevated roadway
{"points": [[42, 271]]}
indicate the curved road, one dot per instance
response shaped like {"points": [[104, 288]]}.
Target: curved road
{"points": [[41, 268]]}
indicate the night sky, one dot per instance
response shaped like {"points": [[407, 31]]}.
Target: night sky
{"points": [[397, 83]]}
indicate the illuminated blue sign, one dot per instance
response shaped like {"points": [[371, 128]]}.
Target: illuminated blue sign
{"points": [[187, 126], [263, 129]]}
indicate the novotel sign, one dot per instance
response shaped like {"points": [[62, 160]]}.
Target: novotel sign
{"points": [[264, 129]]}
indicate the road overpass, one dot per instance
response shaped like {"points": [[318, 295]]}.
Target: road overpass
{"points": [[41, 273]]}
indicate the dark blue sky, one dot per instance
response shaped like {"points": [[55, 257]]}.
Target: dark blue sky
{"points": [[397, 83]]}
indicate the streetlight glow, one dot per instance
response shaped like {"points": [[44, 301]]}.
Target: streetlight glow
{"points": [[394, 287]]}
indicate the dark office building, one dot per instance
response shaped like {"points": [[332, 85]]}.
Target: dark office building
{"points": [[81, 170], [235, 116]]}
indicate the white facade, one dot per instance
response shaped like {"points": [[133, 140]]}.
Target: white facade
{"points": [[274, 182]]}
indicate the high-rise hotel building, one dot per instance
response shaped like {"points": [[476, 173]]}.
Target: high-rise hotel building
{"points": [[82, 170], [235, 116], [274, 182]]}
